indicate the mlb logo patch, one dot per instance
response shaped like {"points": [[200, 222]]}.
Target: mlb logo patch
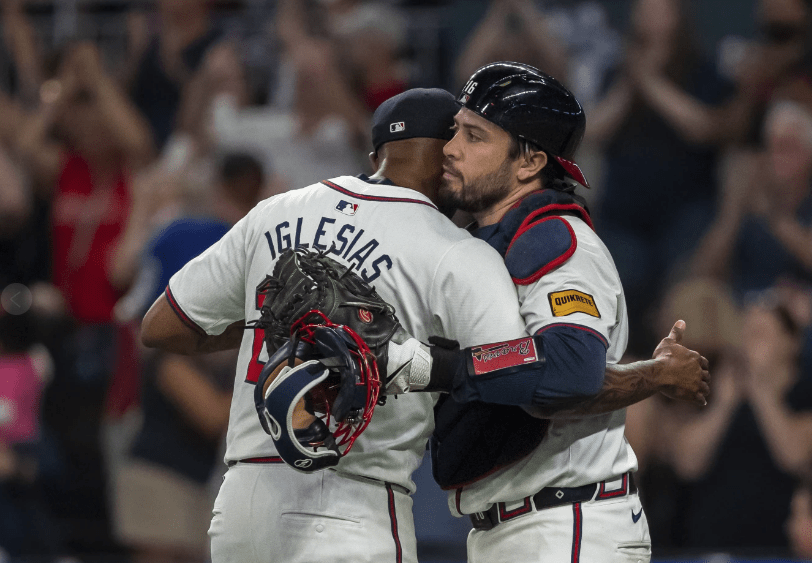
{"points": [[346, 207], [397, 127]]}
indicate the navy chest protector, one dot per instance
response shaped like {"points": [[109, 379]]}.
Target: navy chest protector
{"points": [[474, 439]]}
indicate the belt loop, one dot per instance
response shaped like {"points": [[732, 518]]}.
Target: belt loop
{"points": [[598, 489], [505, 515], [621, 492]]}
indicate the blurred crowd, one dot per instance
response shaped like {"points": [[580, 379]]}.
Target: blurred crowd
{"points": [[121, 161]]}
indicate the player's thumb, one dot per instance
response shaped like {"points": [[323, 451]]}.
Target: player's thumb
{"points": [[677, 331]]}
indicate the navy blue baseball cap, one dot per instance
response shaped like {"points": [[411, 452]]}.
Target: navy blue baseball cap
{"points": [[419, 112]]}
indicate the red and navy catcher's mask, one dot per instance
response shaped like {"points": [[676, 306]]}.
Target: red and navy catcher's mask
{"points": [[531, 105], [343, 403]]}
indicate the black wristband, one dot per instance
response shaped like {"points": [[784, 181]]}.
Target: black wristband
{"points": [[448, 362]]}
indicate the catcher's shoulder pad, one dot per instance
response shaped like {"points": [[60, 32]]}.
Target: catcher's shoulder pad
{"points": [[538, 247]]}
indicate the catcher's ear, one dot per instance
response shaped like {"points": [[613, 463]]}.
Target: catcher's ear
{"points": [[373, 160]]}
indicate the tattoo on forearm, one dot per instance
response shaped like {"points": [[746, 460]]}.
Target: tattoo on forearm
{"points": [[623, 385]]}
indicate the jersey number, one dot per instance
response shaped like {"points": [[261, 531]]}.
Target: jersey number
{"points": [[255, 365]]}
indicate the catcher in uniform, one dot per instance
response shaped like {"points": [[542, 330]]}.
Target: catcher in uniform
{"points": [[524, 484], [396, 239], [573, 497]]}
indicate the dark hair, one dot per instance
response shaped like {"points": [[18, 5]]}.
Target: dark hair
{"points": [[235, 166], [551, 174]]}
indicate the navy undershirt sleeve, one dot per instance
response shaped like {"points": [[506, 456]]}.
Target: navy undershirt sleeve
{"points": [[575, 362], [573, 365]]}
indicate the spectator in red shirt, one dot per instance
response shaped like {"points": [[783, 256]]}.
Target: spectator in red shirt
{"points": [[84, 141]]}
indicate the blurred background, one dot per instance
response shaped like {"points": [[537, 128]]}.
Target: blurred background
{"points": [[133, 134]]}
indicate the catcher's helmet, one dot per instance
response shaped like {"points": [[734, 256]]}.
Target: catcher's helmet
{"points": [[342, 405], [532, 105]]}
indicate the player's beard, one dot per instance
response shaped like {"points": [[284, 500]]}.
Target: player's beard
{"points": [[478, 194]]}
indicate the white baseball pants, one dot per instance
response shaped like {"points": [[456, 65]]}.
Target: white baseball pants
{"points": [[603, 531], [270, 513]]}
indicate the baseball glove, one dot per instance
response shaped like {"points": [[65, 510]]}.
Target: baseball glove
{"points": [[303, 281], [325, 330]]}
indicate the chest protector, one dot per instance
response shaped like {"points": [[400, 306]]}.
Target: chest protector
{"points": [[474, 439]]}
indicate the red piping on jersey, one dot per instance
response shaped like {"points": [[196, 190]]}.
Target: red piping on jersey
{"points": [[345, 191], [553, 264], [184, 318], [394, 518], [577, 531], [579, 327], [624, 488]]}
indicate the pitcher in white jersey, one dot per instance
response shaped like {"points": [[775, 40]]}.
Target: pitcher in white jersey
{"points": [[442, 282]]}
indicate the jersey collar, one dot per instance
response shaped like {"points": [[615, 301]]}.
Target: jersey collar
{"points": [[379, 181], [371, 190]]}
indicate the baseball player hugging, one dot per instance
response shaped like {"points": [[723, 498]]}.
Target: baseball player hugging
{"points": [[535, 280], [360, 510]]}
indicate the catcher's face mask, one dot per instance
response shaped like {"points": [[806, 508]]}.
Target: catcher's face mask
{"points": [[341, 389]]}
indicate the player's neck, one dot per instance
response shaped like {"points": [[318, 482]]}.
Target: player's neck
{"points": [[407, 179], [415, 163], [403, 173], [494, 214]]}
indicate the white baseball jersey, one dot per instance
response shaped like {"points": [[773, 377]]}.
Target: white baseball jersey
{"points": [[440, 280], [584, 292]]}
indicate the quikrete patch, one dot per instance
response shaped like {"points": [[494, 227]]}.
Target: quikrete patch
{"points": [[571, 301]]}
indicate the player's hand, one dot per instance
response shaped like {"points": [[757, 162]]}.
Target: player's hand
{"points": [[684, 372], [408, 364]]}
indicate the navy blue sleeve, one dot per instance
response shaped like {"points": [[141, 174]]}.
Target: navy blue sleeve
{"points": [[568, 363], [575, 363]]}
